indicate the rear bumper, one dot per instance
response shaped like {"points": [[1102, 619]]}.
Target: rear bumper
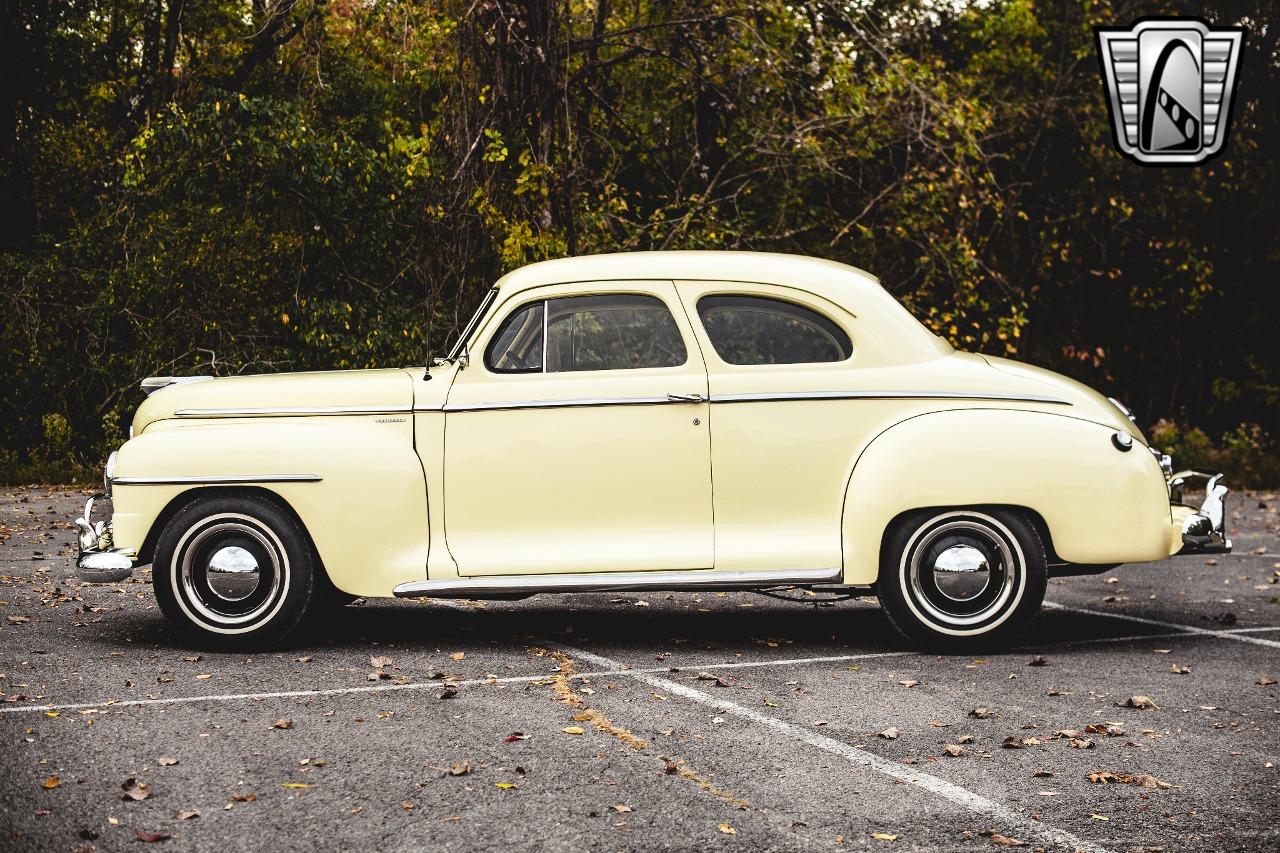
{"points": [[1202, 530], [98, 561]]}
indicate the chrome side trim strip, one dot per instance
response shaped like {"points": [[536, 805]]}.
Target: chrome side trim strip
{"points": [[556, 404], [294, 411], [612, 582], [883, 395], [216, 480]]}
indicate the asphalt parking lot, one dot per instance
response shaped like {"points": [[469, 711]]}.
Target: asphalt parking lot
{"points": [[656, 721]]}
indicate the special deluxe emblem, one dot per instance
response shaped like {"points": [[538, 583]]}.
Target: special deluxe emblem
{"points": [[1170, 83]]}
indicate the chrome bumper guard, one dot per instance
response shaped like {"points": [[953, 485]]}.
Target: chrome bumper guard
{"points": [[98, 562], [1203, 531]]}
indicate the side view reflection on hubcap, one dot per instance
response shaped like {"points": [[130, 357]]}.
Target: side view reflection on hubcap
{"points": [[961, 572]]}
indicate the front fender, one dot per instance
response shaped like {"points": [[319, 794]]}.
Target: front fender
{"points": [[1100, 504], [367, 513]]}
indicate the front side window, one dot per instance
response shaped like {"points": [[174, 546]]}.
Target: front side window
{"points": [[759, 330], [607, 332]]}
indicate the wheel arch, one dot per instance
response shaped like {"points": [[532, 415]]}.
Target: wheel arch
{"points": [[1034, 518], [1089, 502], [196, 493]]}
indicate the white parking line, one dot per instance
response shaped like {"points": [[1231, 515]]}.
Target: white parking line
{"points": [[1012, 821], [107, 704], [1160, 623]]}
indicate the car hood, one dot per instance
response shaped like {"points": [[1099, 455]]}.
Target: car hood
{"points": [[366, 389]]}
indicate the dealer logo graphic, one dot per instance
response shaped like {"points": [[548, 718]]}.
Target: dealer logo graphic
{"points": [[1170, 82]]}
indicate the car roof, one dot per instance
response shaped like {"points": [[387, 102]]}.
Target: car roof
{"points": [[759, 267]]}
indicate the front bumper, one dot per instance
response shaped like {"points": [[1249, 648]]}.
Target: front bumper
{"points": [[1204, 529], [98, 561]]}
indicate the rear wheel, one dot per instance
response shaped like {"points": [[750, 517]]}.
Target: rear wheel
{"points": [[953, 580], [234, 571]]}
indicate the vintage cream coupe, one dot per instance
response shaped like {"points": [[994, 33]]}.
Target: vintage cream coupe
{"points": [[659, 420]]}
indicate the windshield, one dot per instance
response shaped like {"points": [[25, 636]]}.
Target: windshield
{"points": [[470, 328]]}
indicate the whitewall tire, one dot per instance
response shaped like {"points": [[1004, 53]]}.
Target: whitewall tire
{"points": [[956, 579], [235, 571]]}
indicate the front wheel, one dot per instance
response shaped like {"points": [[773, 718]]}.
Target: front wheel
{"points": [[234, 571], [954, 580]]}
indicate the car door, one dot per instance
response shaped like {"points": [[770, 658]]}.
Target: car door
{"points": [[781, 447], [576, 437]]}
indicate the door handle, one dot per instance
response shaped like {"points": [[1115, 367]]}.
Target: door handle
{"points": [[686, 398]]}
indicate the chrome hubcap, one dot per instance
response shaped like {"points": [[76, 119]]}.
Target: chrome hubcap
{"points": [[233, 573], [961, 572]]}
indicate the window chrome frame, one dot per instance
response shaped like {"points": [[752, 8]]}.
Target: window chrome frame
{"points": [[460, 345]]}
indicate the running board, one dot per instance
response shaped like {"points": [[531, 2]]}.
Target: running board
{"points": [[518, 585]]}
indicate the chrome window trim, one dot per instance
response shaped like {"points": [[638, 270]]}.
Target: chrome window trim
{"points": [[217, 480], [470, 328], [292, 411]]}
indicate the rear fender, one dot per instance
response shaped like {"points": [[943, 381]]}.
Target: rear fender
{"points": [[1098, 504]]}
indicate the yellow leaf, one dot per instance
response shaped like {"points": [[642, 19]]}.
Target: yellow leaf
{"points": [[505, 786], [296, 785], [1099, 817], [728, 830], [884, 836], [52, 782], [53, 714], [572, 730]]}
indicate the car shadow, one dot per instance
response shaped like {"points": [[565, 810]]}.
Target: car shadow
{"points": [[626, 631]]}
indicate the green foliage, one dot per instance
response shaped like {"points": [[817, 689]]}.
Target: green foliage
{"points": [[1246, 455], [220, 188]]}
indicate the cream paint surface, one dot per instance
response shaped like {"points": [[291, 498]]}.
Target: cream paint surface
{"points": [[428, 489]]}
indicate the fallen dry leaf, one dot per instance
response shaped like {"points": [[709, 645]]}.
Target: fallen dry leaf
{"points": [[1139, 701], [728, 830], [1179, 669], [982, 713], [504, 786], [135, 789], [890, 733], [1265, 680], [407, 805], [458, 655], [1107, 777], [954, 750], [1005, 841], [379, 662], [1015, 742], [188, 814], [573, 730], [150, 837], [910, 682], [1081, 743], [621, 808], [1038, 660], [515, 736], [244, 798], [282, 724], [884, 836], [462, 768], [296, 786], [448, 691], [204, 676], [166, 761], [51, 783]]}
